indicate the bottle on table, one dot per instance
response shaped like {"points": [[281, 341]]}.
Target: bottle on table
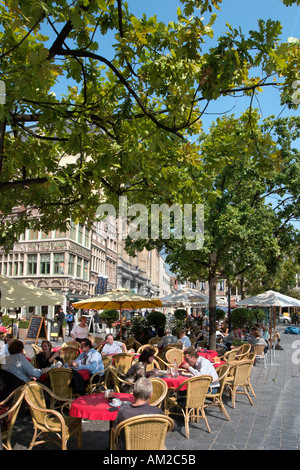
{"points": [[175, 369]]}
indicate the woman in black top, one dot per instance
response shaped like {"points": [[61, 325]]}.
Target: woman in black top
{"points": [[47, 357]]}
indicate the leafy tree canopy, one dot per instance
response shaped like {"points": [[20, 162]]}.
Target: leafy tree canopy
{"points": [[126, 121]]}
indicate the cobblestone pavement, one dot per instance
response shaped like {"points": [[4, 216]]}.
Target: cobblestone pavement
{"points": [[273, 423]]}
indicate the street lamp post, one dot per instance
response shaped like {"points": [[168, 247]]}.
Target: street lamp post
{"points": [[229, 306]]}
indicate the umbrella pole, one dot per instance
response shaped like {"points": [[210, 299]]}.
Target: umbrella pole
{"points": [[120, 323]]}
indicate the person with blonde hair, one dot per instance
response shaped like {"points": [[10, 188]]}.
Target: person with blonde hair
{"points": [[80, 332]]}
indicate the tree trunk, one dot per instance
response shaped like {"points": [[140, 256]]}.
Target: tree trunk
{"points": [[212, 285]]}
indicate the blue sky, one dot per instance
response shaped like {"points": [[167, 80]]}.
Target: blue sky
{"points": [[237, 13]]}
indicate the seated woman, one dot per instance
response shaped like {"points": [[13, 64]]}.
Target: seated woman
{"points": [[47, 357], [138, 369], [17, 364]]}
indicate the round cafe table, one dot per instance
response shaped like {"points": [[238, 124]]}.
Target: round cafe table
{"points": [[174, 382], [95, 406], [208, 354]]}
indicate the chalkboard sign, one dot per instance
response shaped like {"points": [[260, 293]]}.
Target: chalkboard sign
{"points": [[36, 329], [55, 329]]}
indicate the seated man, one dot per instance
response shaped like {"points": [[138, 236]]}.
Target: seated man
{"points": [[89, 359], [198, 365], [113, 347], [142, 392], [168, 339]]}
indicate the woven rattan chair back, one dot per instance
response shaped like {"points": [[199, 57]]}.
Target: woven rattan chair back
{"points": [[14, 400], [47, 421], [243, 351], [216, 399], [123, 361], [107, 361], [153, 365], [69, 353], [160, 390], [37, 349], [229, 356], [197, 388], [155, 340], [241, 378], [130, 342], [60, 382], [145, 432], [174, 353], [148, 345]]}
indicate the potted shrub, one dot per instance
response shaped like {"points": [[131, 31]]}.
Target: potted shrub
{"points": [[109, 317], [22, 329], [157, 320]]}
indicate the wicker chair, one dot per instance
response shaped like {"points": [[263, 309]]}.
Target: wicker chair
{"points": [[60, 384], [148, 345], [155, 340], [115, 378], [71, 344], [69, 353], [258, 350], [251, 357], [160, 390], [123, 361], [174, 353], [14, 401], [229, 356], [99, 379], [197, 390], [243, 351], [240, 378], [217, 398], [37, 349], [47, 421], [153, 365], [144, 432], [130, 342]]}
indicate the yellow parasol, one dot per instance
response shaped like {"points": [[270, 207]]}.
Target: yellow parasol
{"points": [[118, 299]]}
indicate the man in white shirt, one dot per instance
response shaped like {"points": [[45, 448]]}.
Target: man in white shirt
{"points": [[198, 365], [113, 347]]}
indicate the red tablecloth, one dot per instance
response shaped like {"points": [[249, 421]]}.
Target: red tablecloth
{"points": [[174, 382], [83, 372], [95, 406], [208, 354], [3, 329]]}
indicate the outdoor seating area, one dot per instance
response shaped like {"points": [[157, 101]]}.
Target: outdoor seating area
{"points": [[56, 410]]}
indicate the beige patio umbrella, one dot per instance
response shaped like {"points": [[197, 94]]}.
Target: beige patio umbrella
{"points": [[118, 299], [15, 294]]}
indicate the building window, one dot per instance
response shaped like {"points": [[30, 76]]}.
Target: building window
{"points": [[85, 269], [80, 233], [31, 264], [202, 285], [79, 266], [58, 263], [45, 264], [33, 234], [87, 238], [221, 285], [71, 265], [46, 235], [59, 234]]}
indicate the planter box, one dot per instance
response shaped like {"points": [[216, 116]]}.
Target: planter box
{"points": [[22, 333]]}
